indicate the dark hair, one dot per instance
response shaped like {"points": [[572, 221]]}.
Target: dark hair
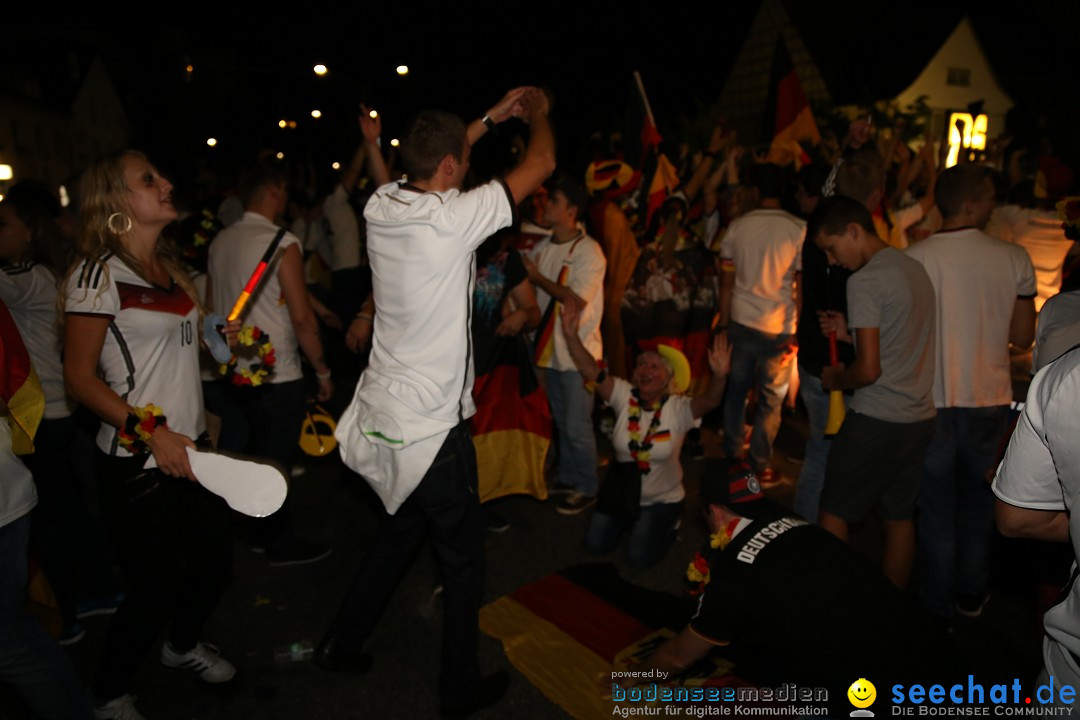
{"points": [[432, 135], [39, 210], [959, 184], [769, 179], [574, 192], [834, 214], [861, 174], [258, 174], [812, 177]]}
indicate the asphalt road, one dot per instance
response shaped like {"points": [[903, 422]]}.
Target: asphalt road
{"points": [[266, 608]]}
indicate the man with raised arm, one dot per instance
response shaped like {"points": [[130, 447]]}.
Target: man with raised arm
{"points": [[405, 429]]}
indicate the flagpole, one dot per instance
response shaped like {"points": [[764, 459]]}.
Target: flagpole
{"points": [[644, 98]]}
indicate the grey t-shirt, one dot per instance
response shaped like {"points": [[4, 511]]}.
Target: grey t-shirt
{"points": [[893, 293]]}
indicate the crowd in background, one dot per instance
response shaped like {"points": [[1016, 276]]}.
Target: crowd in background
{"points": [[681, 290]]}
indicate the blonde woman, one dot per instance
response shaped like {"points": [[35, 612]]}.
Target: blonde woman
{"points": [[643, 494], [131, 356]]}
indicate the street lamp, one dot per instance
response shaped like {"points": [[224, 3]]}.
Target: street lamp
{"points": [[316, 114], [402, 70], [320, 69]]}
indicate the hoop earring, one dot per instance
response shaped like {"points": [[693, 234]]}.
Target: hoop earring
{"points": [[119, 219]]}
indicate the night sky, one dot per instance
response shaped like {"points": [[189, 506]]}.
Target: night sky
{"points": [[247, 77]]}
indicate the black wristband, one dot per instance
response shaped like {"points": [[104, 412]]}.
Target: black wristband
{"points": [[488, 121]]}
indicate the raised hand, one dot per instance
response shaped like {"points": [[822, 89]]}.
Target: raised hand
{"points": [[720, 356], [510, 105], [371, 127]]}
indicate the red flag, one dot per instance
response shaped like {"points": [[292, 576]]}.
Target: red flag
{"points": [[19, 386]]}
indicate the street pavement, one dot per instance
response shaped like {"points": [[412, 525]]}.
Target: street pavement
{"points": [[267, 608]]}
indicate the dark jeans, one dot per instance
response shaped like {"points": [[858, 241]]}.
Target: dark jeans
{"points": [[650, 535], [31, 661], [445, 505], [275, 414], [956, 505], [235, 429], [174, 544], [66, 538]]}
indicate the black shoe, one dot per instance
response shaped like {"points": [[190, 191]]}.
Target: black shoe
{"points": [[295, 551], [495, 522], [489, 691], [575, 503], [560, 489], [331, 654], [971, 605]]}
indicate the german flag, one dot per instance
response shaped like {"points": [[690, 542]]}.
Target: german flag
{"points": [[788, 107], [511, 431], [664, 181], [545, 337], [568, 631], [19, 386]]}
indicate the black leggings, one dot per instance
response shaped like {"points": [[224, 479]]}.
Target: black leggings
{"points": [[173, 540]]}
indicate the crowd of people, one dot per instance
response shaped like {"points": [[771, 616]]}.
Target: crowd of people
{"points": [[488, 320]]}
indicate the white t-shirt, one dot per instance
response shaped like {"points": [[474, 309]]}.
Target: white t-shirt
{"points": [[344, 230], [1041, 471], [580, 265], [765, 246], [18, 495], [29, 291], [1058, 330], [151, 350], [977, 280], [1040, 233], [418, 383], [234, 255], [663, 483]]}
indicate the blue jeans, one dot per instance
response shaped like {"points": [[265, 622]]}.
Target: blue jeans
{"points": [[571, 408], [31, 661], [812, 475], [650, 535], [956, 505], [765, 360]]}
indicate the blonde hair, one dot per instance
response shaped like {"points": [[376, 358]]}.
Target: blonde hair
{"points": [[103, 192]]}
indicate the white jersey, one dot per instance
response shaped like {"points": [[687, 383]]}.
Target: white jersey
{"points": [[234, 254], [29, 291], [151, 350], [418, 384]]}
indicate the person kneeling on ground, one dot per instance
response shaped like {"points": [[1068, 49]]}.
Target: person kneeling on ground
{"points": [[643, 492]]}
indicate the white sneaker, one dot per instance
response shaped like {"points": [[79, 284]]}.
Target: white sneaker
{"points": [[205, 661], [122, 708]]}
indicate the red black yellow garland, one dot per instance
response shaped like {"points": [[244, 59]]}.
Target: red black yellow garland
{"points": [[697, 572], [139, 426], [251, 335], [639, 447]]}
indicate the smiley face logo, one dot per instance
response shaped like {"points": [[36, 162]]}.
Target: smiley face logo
{"points": [[862, 693]]}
